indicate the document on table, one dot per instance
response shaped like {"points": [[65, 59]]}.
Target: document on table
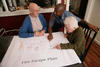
{"points": [[39, 52], [57, 39], [49, 58], [42, 43]]}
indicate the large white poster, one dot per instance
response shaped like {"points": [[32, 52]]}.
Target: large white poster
{"points": [[39, 52], [49, 58]]}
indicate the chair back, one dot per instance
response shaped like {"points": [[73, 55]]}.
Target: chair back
{"points": [[90, 32]]}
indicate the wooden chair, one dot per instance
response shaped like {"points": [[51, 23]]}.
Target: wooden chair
{"points": [[90, 32]]}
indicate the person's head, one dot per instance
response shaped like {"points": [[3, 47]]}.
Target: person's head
{"points": [[59, 9], [34, 9], [71, 24]]}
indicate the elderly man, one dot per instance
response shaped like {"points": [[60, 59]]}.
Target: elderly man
{"points": [[75, 35], [34, 24], [57, 19]]}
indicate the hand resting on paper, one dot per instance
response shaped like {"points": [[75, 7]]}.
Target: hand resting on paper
{"points": [[58, 46], [41, 33]]}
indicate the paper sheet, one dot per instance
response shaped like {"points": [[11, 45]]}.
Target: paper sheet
{"points": [[38, 52], [42, 43]]}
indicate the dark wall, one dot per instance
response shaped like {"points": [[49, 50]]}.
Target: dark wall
{"points": [[15, 22], [83, 7]]}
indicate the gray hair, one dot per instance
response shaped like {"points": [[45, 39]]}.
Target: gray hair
{"points": [[72, 21]]}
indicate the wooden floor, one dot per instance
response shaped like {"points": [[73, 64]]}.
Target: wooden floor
{"points": [[93, 57]]}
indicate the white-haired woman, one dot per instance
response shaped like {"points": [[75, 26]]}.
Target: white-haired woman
{"points": [[75, 35]]}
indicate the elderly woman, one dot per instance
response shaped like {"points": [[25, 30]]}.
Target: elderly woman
{"points": [[34, 24], [75, 35]]}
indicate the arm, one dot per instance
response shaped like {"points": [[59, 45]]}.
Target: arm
{"points": [[50, 26], [75, 44], [50, 30], [50, 37], [78, 44], [44, 23], [24, 31]]}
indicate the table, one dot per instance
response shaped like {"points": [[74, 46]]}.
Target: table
{"points": [[4, 44], [39, 52]]}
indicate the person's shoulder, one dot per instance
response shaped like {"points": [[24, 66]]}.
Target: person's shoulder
{"points": [[40, 15], [52, 16], [80, 28], [67, 12], [27, 17], [80, 31]]}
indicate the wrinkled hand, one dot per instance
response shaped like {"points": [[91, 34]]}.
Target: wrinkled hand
{"points": [[42, 32], [65, 35], [57, 47], [50, 37], [36, 33]]}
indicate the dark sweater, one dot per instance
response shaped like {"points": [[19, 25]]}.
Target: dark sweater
{"points": [[76, 41]]}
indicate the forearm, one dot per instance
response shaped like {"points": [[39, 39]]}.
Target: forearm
{"points": [[50, 30], [44, 29], [67, 46], [25, 35], [71, 46]]}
